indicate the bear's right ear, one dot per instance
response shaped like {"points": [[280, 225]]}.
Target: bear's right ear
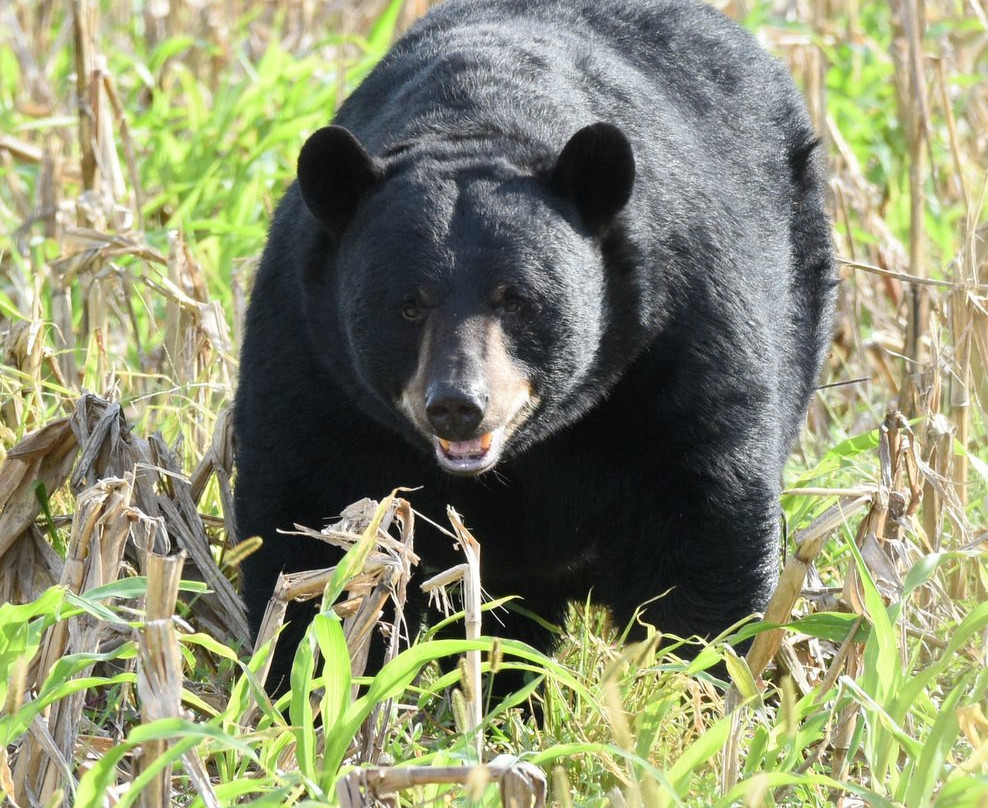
{"points": [[596, 172], [334, 172]]}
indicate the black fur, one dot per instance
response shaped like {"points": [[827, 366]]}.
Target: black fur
{"points": [[671, 306]]}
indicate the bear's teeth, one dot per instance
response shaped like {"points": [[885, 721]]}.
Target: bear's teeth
{"points": [[467, 448]]}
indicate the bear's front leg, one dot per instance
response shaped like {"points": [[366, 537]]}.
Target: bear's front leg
{"points": [[698, 563]]}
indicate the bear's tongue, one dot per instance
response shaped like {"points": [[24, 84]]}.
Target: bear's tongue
{"points": [[477, 447]]}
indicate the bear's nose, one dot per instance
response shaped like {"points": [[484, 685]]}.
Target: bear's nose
{"points": [[454, 412]]}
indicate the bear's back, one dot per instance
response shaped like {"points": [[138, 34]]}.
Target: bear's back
{"points": [[553, 66]]}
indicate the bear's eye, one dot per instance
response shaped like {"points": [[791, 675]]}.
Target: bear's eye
{"points": [[509, 301], [411, 311]]}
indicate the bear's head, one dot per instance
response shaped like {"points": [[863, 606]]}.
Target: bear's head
{"points": [[470, 293]]}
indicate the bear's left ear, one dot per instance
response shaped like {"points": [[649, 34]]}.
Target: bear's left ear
{"points": [[334, 172], [596, 172]]}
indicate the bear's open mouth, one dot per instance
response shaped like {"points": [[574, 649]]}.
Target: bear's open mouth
{"points": [[469, 457]]}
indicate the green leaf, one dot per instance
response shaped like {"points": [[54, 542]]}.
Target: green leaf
{"points": [[186, 736], [299, 706], [833, 626], [740, 674], [382, 32], [924, 774], [328, 630], [963, 791], [697, 753], [882, 668]]}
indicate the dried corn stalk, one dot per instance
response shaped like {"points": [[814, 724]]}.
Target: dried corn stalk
{"points": [[160, 679], [469, 574], [523, 785], [159, 669], [384, 577], [93, 444], [100, 529], [892, 504]]}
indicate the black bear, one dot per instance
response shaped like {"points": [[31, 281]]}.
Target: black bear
{"points": [[565, 265]]}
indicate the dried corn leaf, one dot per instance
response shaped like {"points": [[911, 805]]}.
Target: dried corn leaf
{"points": [[43, 458]]}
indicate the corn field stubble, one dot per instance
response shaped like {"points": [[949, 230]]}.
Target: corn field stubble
{"points": [[142, 150]]}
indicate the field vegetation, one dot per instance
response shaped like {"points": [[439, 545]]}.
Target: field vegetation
{"points": [[142, 149]]}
